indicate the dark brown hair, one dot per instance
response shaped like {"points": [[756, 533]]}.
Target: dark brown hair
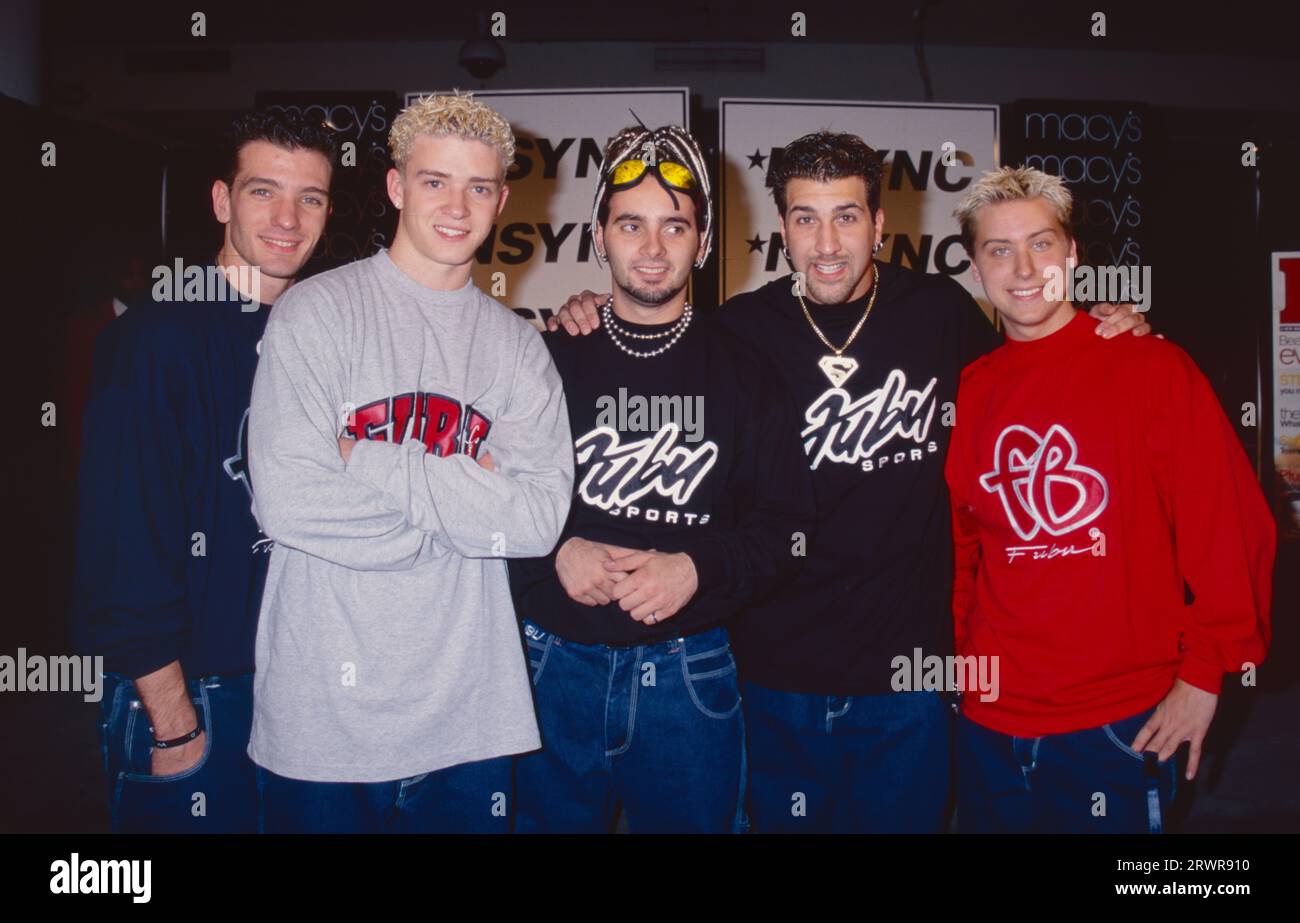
{"points": [[288, 130], [824, 156]]}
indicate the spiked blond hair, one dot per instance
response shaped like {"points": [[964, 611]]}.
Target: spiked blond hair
{"points": [[1009, 184], [460, 116]]}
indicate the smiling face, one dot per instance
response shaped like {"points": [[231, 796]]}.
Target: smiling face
{"points": [[830, 232], [1015, 245], [274, 211], [449, 193], [651, 244]]}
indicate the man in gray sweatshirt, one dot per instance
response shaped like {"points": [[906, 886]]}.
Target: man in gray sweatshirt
{"points": [[407, 435]]}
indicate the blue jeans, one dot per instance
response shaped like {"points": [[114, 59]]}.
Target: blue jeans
{"points": [[217, 795], [469, 798], [656, 728], [847, 764], [1086, 781]]}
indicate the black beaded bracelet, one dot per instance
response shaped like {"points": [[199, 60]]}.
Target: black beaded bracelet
{"points": [[176, 741]]}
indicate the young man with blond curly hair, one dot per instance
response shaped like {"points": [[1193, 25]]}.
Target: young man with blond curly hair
{"points": [[408, 434]]}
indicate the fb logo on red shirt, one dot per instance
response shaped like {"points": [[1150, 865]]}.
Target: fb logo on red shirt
{"points": [[1040, 485]]}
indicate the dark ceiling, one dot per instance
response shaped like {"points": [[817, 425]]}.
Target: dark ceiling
{"points": [[1243, 28]]}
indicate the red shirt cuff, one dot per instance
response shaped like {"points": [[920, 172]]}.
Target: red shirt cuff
{"points": [[1202, 673]]}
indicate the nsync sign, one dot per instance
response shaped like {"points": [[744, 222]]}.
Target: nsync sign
{"points": [[932, 153], [1286, 384], [541, 244]]}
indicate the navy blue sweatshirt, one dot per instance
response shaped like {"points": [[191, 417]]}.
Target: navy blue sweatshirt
{"points": [[163, 458], [878, 579], [725, 483]]}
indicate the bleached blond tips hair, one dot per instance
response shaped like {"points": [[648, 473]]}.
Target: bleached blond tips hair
{"points": [[459, 116], [1010, 184]]}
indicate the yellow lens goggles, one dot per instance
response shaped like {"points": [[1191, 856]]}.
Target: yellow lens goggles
{"points": [[631, 172]]}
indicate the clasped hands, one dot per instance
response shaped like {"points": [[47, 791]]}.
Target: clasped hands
{"points": [[649, 585]]}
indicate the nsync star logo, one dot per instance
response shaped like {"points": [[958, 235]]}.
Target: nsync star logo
{"points": [[440, 422], [1040, 484]]}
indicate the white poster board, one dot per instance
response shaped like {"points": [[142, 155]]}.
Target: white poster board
{"points": [[932, 153]]}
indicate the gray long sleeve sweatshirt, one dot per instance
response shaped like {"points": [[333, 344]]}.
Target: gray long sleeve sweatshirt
{"points": [[387, 644]]}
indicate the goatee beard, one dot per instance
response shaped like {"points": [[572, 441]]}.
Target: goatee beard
{"points": [[831, 295], [649, 298]]}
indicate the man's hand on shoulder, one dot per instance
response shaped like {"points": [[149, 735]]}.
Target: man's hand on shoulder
{"points": [[1119, 318], [579, 315]]}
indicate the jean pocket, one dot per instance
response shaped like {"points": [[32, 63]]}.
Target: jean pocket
{"points": [[710, 679], [160, 804], [1118, 732], [538, 644], [1160, 776], [110, 720], [140, 742], [145, 803]]}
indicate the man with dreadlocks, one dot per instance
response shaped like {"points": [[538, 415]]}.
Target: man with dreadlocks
{"points": [[688, 494]]}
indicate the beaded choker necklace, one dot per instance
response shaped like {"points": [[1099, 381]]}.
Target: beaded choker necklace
{"points": [[610, 325]]}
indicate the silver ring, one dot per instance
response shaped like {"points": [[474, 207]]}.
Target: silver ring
{"points": [[652, 618]]}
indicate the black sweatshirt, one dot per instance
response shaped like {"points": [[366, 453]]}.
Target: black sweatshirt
{"points": [[163, 459], [877, 580], [726, 485]]}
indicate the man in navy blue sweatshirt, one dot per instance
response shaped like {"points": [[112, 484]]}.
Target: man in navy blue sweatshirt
{"points": [[170, 562]]}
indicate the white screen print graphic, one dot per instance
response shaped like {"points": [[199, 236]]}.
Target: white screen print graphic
{"points": [[1040, 485], [620, 473], [842, 429]]}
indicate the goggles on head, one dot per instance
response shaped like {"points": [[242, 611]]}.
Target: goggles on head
{"points": [[672, 174]]}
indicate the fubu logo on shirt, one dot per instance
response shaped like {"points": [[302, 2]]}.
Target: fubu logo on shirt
{"points": [[869, 430], [442, 423], [1044, 489], [618, 474]]}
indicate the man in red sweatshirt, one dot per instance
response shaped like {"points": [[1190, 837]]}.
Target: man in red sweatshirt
{"points": [[1079, 522]]}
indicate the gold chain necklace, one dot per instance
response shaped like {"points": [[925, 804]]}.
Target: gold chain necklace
{"points": [[838, 368]]}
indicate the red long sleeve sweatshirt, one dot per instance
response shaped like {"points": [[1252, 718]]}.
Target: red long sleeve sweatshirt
{"points": [[1089, 479]]}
